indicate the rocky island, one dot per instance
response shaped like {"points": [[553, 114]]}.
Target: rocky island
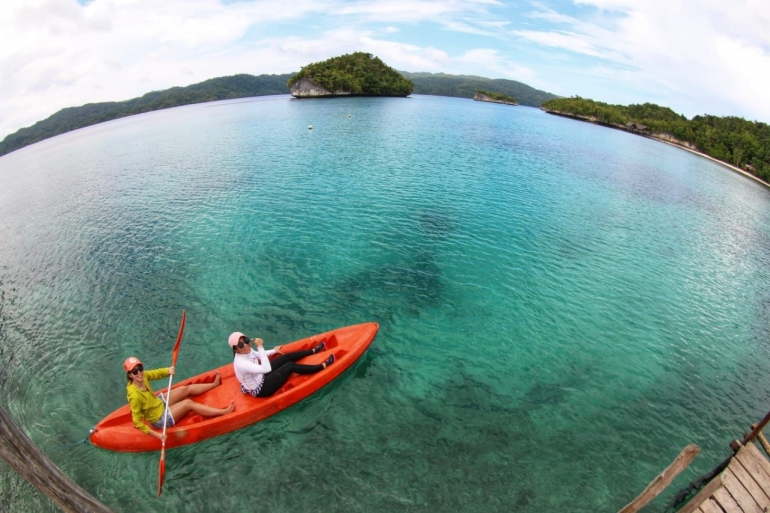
{"points": [[355, 74], [484, 96]]}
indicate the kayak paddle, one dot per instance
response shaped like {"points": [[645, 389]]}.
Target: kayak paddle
{"points": [[162, 473]]}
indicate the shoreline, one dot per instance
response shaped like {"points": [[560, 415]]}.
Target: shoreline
{"points": [[596, 121], [721, 162]]}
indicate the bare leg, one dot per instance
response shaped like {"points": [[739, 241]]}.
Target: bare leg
{"points": [[180, 409], [182, 393]]}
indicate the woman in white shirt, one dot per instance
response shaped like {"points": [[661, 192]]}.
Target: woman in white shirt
{"points": [[259, 377]]}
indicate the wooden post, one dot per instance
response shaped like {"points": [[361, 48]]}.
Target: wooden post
{"points": [[761, 439], [763, 442], [663, 479], [756, 430], [28, 460]]}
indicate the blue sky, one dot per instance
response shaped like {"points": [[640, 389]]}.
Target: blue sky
{"points": [[697, 57]]}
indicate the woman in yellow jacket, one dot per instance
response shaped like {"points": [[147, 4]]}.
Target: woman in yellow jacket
{"points": [[145, 405]]}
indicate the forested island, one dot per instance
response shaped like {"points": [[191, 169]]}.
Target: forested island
{"points": [[484, 96], [733, 140], [353, 74]]}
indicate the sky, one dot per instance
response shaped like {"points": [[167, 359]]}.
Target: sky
{"points": [[694, 56]]}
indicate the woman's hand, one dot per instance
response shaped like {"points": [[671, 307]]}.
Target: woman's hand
{"points": [[171, 371], [159, 436], [258, 342], [277, 349]]}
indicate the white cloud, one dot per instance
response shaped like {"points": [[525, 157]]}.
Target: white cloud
{"points": [[711, 57], [570, 41], [468, 16], [401, 56], [488, 61], [58, 53], [415, 10]]}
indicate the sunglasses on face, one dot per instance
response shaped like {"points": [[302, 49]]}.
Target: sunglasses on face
{"points": [[243, 343], [136, 370]]}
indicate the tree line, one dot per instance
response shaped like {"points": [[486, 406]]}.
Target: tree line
{"points": [[465, 86], [72, 118], [734, 140]]}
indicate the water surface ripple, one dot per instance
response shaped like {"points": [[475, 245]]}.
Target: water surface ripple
{"points": [[563, 307]]}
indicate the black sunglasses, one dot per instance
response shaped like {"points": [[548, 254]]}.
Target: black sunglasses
{"points": [[243, 343], [136, 370]]}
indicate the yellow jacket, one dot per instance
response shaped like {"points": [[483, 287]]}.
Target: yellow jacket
{"points": [[143, 403]]}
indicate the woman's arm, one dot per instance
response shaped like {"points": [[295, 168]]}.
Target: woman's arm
{"points": [[155, 374], [263, 367]]}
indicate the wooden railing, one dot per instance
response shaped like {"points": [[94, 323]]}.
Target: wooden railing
{"points": [[27, 459], [663, 479], [757, 431]]}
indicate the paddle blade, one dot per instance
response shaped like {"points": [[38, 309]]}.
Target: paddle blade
{"points": [[179, 338], [162, 472]]}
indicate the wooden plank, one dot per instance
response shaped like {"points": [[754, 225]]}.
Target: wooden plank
{"points": [[710, 506], [748, 482], [726, 501], [663, 479], [703, 495], [744, 499], [752, 449], [752, 461], [755, 470]]}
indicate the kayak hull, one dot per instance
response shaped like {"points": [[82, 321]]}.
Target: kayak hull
{"points": [[117, 432]]}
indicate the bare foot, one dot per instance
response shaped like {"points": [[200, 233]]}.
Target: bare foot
{"points": [[217, 379], [230, 408]]}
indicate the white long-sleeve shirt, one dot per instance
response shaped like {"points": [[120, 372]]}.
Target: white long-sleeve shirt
{"points": [[250, 368]]}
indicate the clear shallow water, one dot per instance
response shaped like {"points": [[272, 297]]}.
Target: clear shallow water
{"points": [[563, 307]]}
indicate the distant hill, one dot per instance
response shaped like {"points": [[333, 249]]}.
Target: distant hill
{"points": [[244, 86], [464, 86], [72, 118], [357, 74]]}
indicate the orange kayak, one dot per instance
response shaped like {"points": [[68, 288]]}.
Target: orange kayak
{"points": [[116, 432]]}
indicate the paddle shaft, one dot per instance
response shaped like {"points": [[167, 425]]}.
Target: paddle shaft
{"points": [[168, 406], [162, 470], [171, 377]]}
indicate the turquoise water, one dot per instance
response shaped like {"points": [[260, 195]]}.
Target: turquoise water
{"points": [[563, 307]]}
